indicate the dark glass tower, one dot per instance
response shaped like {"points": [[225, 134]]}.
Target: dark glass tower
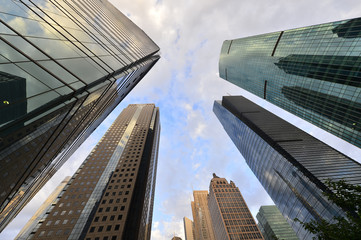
{"points": [[64, 66], [273, 225], [309, 71], [111, 195], [291, 165]]}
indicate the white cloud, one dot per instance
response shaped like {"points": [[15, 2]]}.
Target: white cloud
{"points": [[184, 85]]}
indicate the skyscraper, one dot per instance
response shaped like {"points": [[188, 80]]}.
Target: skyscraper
{"points": [[34, 220], [188, 229], [202, 220], [273, 225], [291, 165], [111, 194], [313, 72], [65, 65], [231, 218]]}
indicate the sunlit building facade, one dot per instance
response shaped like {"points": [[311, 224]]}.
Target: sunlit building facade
{"points": [[203, 229], [111, 195], [313, 72], [231, 217], [39, 214], [188, 228], [64, 66], [291, 165], [273, 225]]}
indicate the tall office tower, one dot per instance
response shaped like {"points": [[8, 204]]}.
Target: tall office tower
{"points": [[202, 219], [313, 72], [291, 165], [188, 229], [273, 225], [65, 65], [231, 218], [34, 220], [111, 194]]}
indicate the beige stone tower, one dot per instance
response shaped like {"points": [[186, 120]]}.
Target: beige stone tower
{"points": [[231, 218], [188, 229], [201, 217]]}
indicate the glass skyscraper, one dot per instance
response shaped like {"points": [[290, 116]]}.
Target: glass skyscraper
{"points": [[313, 72], [111, 195], [64, 66], [273, 225], [291, 165]]}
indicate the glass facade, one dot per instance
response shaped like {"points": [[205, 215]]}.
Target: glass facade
{"points": [[111, 195], [300, 70], [291, 165], [64, 66], [273, 225]]}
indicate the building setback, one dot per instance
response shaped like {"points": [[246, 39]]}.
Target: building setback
{"points": [[231, 218], [62, 71], [313, 72], [202, 220], [111, 194], [273, 225], [291, 165], [188, 229]]}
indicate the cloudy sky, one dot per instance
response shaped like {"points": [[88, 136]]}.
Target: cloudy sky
{"points": [[184, 84]]}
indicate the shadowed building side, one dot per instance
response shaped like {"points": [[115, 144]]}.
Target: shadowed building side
{"points": [[61, 73], [111, 195], [291, 165]]}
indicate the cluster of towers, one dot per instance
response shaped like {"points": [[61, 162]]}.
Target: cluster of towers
{"points": [[76, 61]]}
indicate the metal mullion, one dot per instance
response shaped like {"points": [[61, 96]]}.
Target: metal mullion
{"points": [[69, 42], [42, 53], [103, 35], [92, 36], [87, 31], [117, 29], [39, 153], [32, 60]]}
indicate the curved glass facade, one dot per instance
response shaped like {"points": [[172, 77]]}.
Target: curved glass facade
{"points": [[64, 66], [291, 165], [322, 61]]}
